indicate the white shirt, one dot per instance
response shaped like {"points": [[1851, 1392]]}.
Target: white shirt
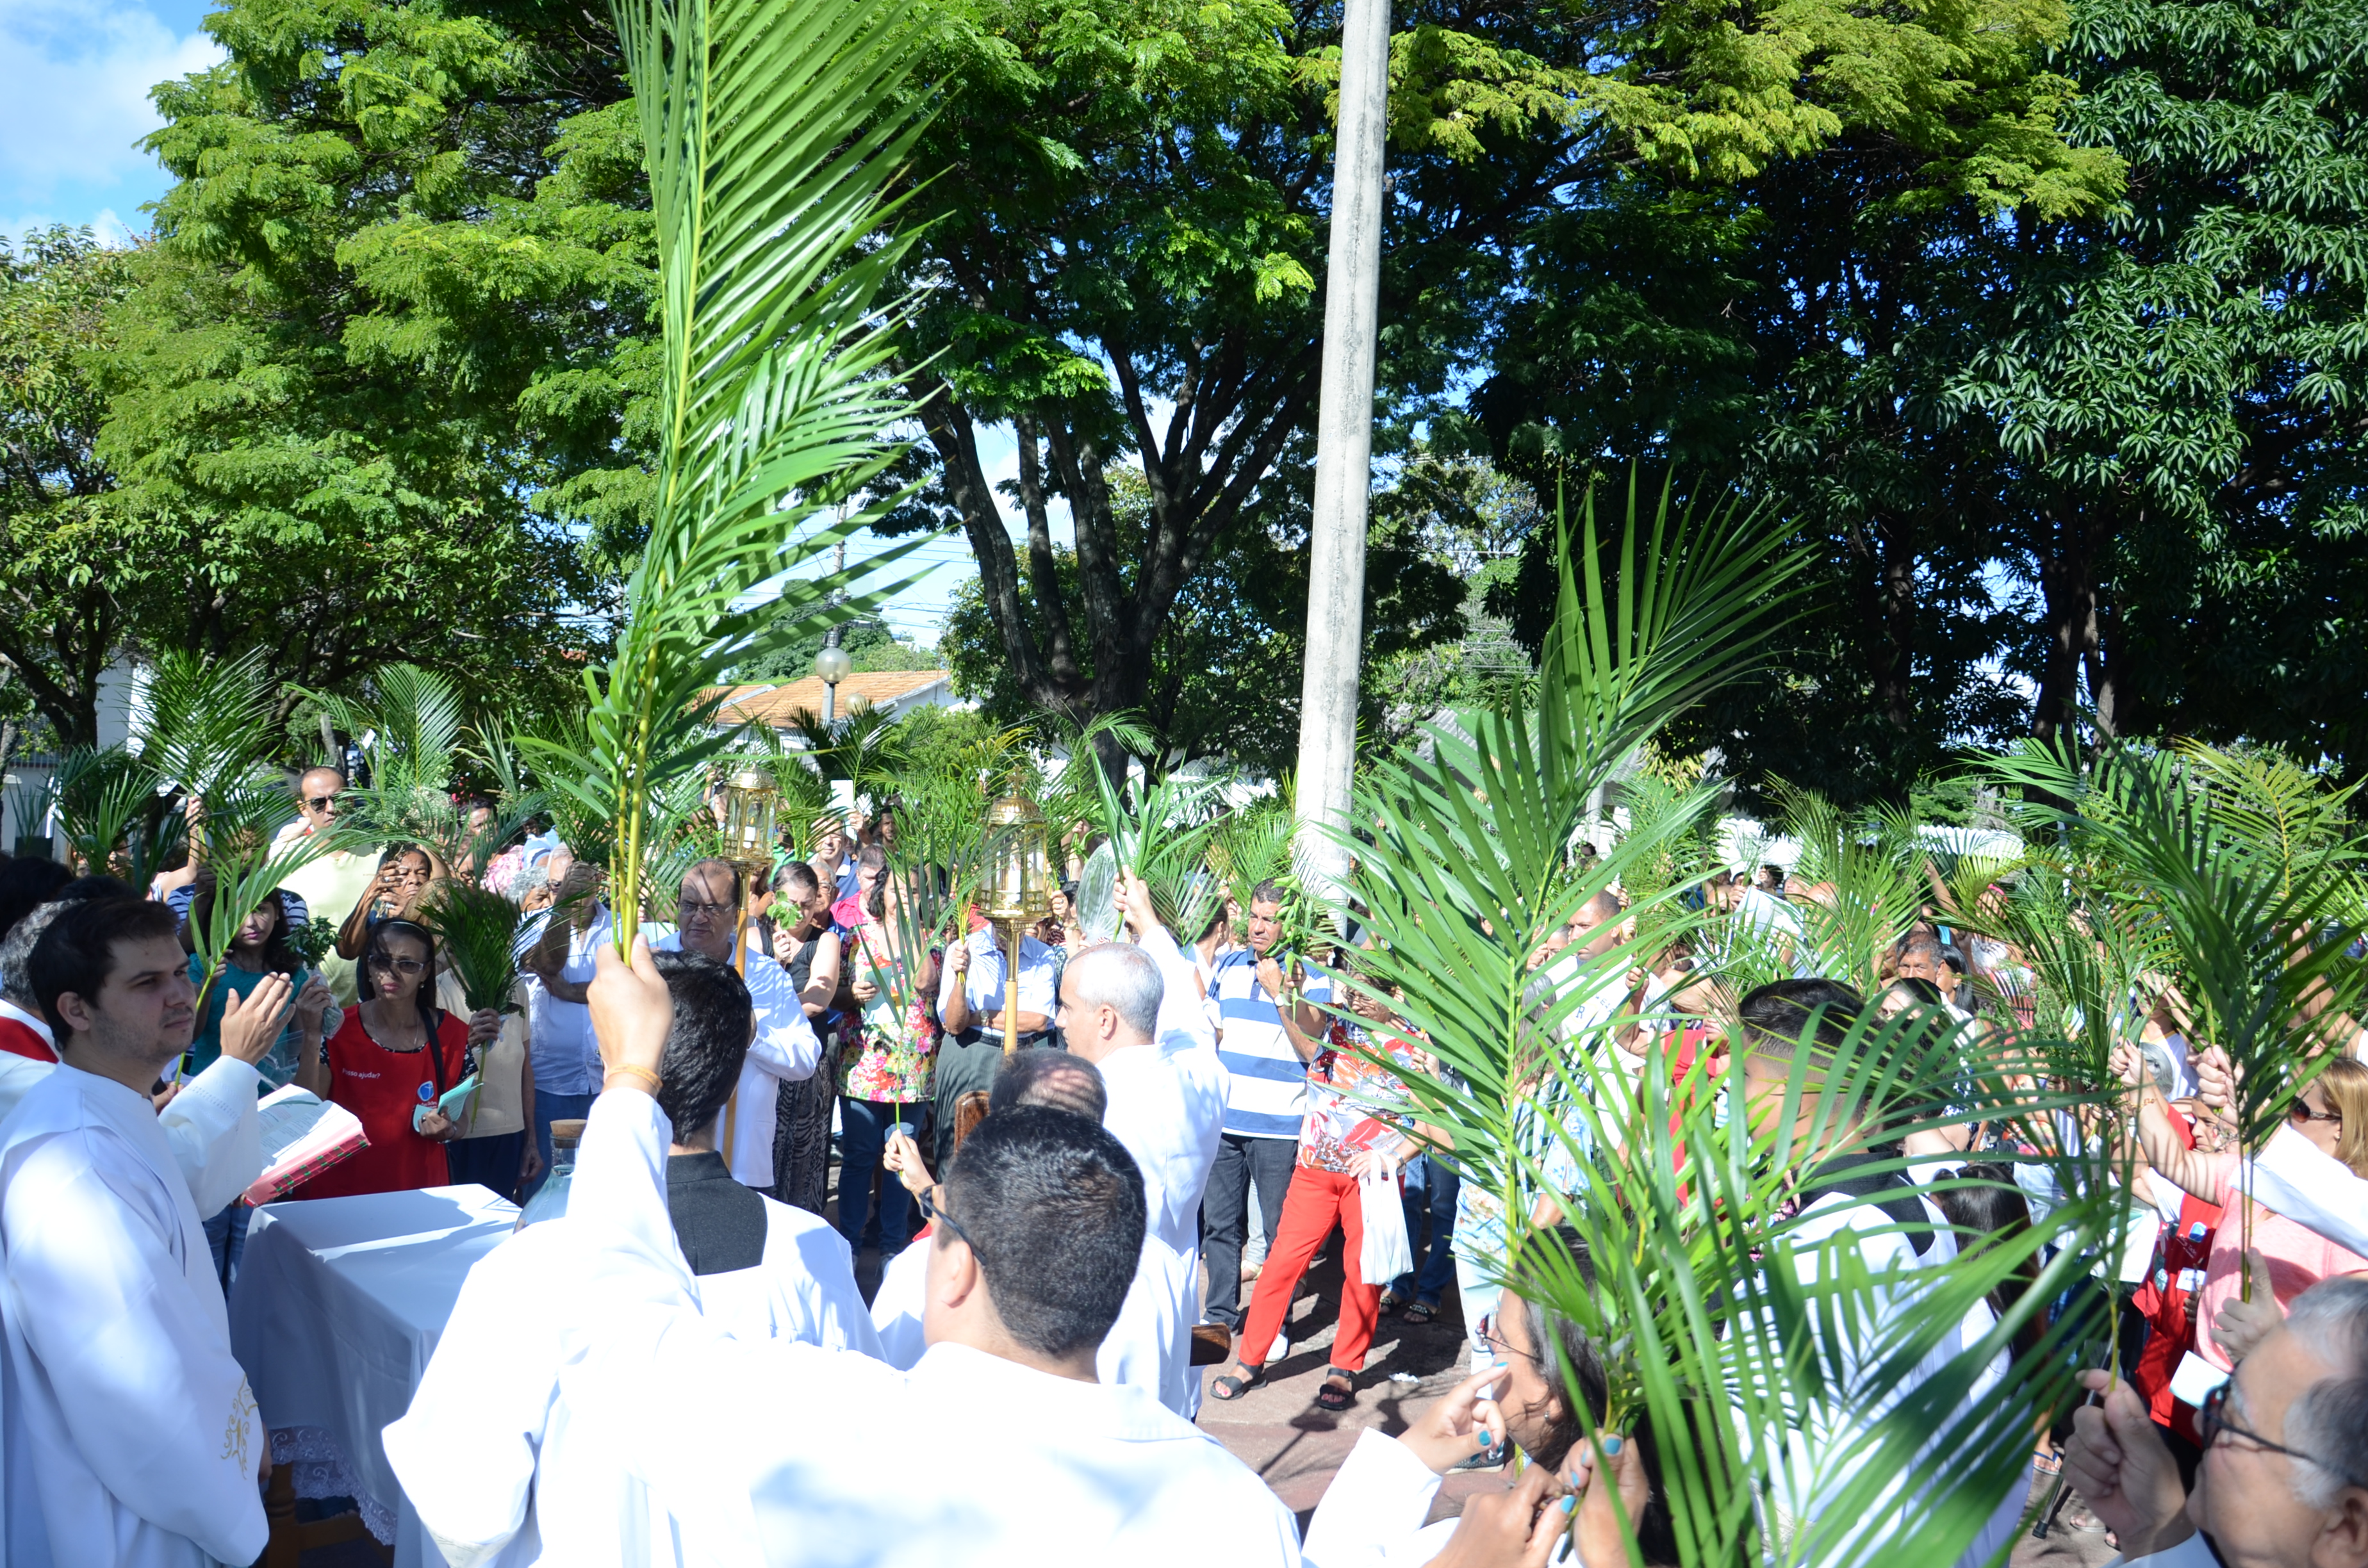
{"points": [[2314, 1190], [489, 1451], [566, 1058], [983, 985], [783, 1453], [128, 1433], [1166, 1104], [1372, 1516], [210, 1127], [784, 1051]]}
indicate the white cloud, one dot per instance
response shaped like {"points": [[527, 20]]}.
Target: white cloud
{"points": [[79, 71]]}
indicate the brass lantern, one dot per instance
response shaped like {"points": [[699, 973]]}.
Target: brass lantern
{"points": [[1018, 892], [750, 806]]}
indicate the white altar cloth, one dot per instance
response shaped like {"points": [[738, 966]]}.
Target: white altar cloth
{"points": [[338, 1304]]}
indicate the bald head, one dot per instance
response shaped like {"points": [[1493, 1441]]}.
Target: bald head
{"points": [[1110, 999], [1054, 1079], [317, 790]]}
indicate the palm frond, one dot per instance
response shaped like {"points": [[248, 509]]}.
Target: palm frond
{"points": [[479, 929], [769, 130]]}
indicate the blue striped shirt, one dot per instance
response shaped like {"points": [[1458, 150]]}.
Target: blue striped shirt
{"points": [[1267, 1095]]}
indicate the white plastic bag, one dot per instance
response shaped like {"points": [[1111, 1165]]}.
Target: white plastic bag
{"points": [[1387, 1252]]}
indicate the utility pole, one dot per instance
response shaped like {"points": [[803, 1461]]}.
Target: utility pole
{"points": [[1344, 450]]}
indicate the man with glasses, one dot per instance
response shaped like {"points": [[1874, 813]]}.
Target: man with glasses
{"points": [[330, 884], [2285, 1478], [785, 1049]]}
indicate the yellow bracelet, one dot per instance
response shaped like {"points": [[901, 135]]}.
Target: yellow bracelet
{"points": [[654, 1080]]}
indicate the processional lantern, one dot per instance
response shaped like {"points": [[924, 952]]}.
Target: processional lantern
{"points": [[751, 813], [1019, 889]]}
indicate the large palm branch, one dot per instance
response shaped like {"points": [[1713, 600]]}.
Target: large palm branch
{"points": [[770, 130]]}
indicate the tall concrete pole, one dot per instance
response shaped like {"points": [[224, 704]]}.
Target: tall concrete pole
{"points": [[1344, 449]]}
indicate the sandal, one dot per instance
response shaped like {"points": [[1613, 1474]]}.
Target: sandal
{"points": [[1391, 1302], [1232, 1385], [1333, 1397], [1419, 1313]]}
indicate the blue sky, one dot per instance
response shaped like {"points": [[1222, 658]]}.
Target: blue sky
{"points": [[77, 104]]}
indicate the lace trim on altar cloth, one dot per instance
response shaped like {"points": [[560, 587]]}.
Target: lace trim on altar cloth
{"points": [[319, 1468]]}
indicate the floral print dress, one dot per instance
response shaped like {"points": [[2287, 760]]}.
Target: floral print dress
{"points": [[892, 1058]]}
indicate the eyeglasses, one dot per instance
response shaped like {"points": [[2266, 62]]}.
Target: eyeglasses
{"points": [[2302, 1113], [391, 965], [931, 1212], [711, 911], [2211, 1421]]}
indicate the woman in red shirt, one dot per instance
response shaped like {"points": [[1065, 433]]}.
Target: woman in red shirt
{"points": [[381, 1066]]}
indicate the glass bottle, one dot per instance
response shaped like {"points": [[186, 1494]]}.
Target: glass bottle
{"points": [[550, 1200]]}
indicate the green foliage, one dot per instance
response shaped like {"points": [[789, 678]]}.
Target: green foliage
{"points": [[479, 930], [768, 133]]}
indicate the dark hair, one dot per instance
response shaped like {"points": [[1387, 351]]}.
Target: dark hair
{"points": [[279, 958], [98, 885], [429, 1013], [797, 880], [1052, 1078], [1776, 1017], [24, 885], [1994, 1208], [713, 1019], [78, 952], [700, 865], [1923, 991], [1267, 891], [1053, 1207]]}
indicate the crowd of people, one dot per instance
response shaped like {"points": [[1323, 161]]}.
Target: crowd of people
{"points": [[686, 1369]]}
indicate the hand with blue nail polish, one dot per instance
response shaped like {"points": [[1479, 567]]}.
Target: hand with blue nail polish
{"points": [[1600, 1541], [1460, 1423]]}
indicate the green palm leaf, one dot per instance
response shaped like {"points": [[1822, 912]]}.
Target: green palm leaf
{"points": [[770, 130]]}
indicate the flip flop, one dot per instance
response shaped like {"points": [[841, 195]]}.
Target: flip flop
{"points": [[1330, 1397], [1230, 1388]]}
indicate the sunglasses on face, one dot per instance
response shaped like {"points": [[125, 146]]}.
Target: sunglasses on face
{"points": [[2302, 1114], [408, 968], [321, 803], [936, 1215], [710, 911]]}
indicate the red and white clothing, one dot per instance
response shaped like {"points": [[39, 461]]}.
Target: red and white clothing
{"points": [[382, 1087], [26, 1034]]}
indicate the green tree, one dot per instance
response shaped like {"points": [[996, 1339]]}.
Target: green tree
{"points": [[2182, 386], [1798, 332], [68, 597], [1224, 673], [390, 351]]}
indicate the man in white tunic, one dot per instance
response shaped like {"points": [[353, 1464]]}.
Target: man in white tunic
{"points": [[487, 1437], [1166, 1093], [774, 1452], [130, 1436], [1147, 1347], [785, 1049]]}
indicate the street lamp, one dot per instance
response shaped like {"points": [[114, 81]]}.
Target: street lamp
{"points": [[832, 665]]}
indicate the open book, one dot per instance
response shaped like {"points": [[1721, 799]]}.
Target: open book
{"points": [[302, 1136]]}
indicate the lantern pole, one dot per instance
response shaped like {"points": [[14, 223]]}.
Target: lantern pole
{"points": [[1011, 930]]}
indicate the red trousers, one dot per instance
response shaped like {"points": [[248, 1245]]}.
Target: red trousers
{"points": [[1317, 1198]]}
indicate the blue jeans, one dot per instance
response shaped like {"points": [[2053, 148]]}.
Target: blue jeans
{"points": [[226, 1234], [863, 1137], [1431, 1187], [549, 1108]]}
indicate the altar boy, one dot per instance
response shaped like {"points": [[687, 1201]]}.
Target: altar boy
{"points": [[489, 1452]]}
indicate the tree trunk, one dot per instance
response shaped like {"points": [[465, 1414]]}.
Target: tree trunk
{"points": [[2069, 570]]}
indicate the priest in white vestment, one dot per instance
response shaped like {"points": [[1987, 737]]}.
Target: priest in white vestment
{"points": [[785, 1049], [485, 1451], [130, 1436], [787, 1454], [211, 1123]]}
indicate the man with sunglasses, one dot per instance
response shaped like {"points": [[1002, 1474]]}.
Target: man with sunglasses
{"points": [[332, 883], [2285, 1478], [785, 1050]]}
